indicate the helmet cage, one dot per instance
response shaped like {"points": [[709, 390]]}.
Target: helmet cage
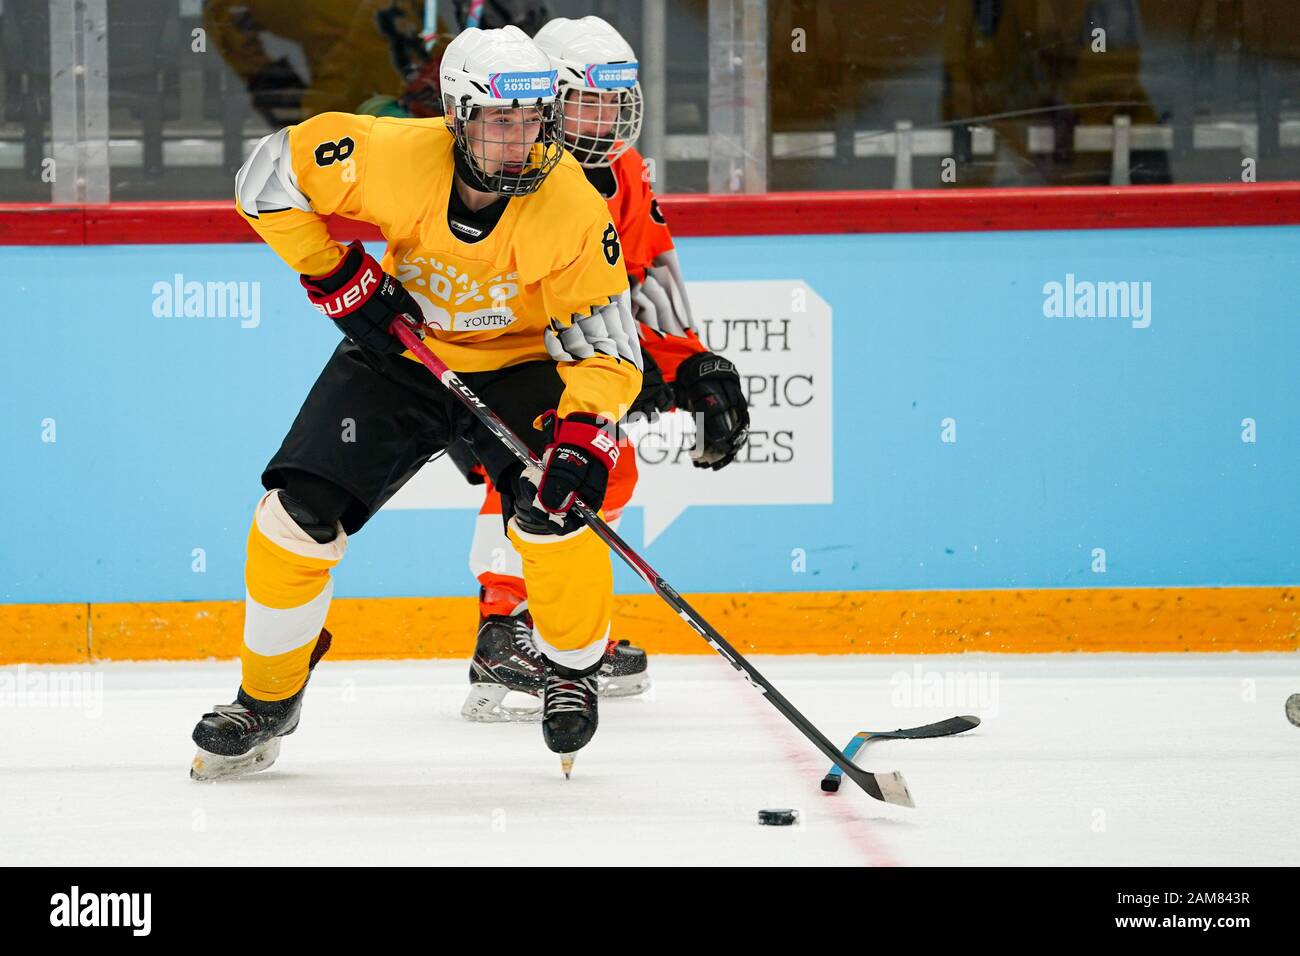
{"points": [[543, 153], [598, 130]]}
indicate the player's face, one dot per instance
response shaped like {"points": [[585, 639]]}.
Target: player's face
{"points": [[502, 139], [590, 114]]}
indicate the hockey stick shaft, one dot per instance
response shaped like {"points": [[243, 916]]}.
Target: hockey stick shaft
{"points": [[894, 790]]}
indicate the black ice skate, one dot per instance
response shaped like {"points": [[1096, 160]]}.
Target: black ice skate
{"points": [[244, 737], [569, 714], [623, 671], [505, 660], [495, 672]]}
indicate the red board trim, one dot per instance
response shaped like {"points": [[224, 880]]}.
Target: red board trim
{"points": [[980, 210], [950, 210]]}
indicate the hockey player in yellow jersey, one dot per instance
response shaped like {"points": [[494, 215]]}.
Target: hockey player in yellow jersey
{"points": [[506, 259], [601, 105]]}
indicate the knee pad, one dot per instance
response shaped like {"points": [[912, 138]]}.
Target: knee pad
{"points": [[321, 530], [315, 504], [283, 521]]}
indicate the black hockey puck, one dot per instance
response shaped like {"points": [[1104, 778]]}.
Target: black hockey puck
{"points": [[778, 818], [1293, 709]]}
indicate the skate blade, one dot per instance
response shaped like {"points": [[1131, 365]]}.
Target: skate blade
{"points": [[210, 766], [623, 686], [485, 704], [566, 764]]}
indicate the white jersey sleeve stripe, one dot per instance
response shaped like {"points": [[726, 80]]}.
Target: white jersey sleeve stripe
{"points": [[608, 330], [266, 182], [668, 274]]}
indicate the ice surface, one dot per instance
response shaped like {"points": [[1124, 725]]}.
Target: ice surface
{"points": [[1082, 759]]}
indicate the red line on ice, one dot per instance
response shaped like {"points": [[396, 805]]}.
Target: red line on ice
{"points": [[811, 767]]}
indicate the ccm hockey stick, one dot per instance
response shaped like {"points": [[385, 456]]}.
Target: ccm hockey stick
{"points": [[944, 728], [889, 787]]}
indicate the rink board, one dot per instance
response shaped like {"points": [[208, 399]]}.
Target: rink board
{"points": [[837, 622], [972, 443]]}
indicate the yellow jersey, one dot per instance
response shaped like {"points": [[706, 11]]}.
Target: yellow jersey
{"points": [[552, 258]]}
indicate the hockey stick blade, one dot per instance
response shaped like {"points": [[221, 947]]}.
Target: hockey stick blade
{"points": [[942, 728], [888, 787]]}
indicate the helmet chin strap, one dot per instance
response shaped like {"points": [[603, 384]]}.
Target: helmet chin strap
{"points": [[587, 149], [469, 172]]}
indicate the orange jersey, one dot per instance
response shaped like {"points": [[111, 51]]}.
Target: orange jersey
{"points": [[670, 351], [645, 236], [636, 214]]}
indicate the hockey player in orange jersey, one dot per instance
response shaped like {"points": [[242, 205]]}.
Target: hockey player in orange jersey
{"points": [[601, 103], [506, 259]]}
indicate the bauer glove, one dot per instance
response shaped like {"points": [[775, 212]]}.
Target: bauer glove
{"points": [[363, 300], [576, 464]]}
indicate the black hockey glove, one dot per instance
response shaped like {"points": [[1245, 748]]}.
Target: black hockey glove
{"points": [[521, 501], [708, 387], [656, 395], [363, 300], [576, 464]]}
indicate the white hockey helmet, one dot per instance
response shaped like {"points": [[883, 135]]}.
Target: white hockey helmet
{"points": [[498, 95], [600, 96]]}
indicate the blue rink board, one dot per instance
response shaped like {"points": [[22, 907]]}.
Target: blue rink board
{"points": [[1072, 433]]}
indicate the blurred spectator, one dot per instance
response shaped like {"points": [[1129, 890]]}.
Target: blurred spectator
{"points": [[1012, 64], [422, 94], [354, 49], [494, 14]]}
